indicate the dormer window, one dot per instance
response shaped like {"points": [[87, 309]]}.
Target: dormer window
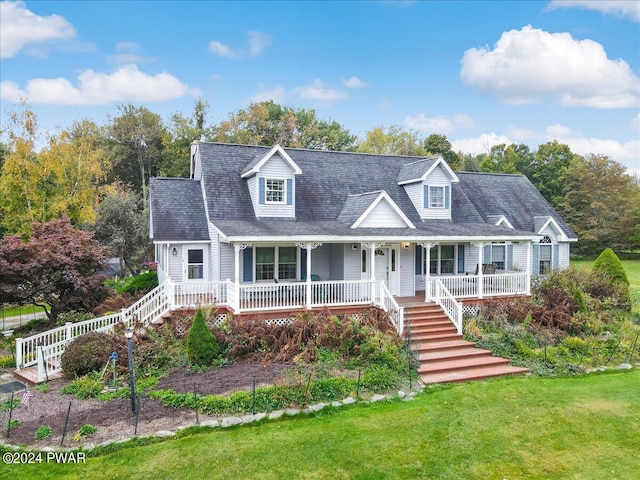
{"points": [[275, 191], [436, 195]]}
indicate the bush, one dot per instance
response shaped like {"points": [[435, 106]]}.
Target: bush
{"points": [[140, 284], [202, 346], [609, 264], [88, 386], [43, 432], [87, 353]]}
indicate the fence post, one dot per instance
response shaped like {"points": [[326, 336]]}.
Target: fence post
{"points": [[68, 331], [19, 357], [123, 315], [40, 363]]}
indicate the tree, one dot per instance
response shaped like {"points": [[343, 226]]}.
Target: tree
{"points": [[609, 264], [439, 145], [57, 268], [600, 203], [267, 123], [136, 144], [122, 225], [549, 168], [202, 346], [396, 141]]}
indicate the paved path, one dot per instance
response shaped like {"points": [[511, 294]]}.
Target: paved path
{"points": [[9, 323]]}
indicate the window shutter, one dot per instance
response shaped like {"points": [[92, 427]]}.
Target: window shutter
{"points": [[247, 267], [289, 191], [303, 264], [536, 259], [509, 260], [418, 257], [446, 197], [426, 196], [460, 258], [261, 188], [486, 254], [556, 256]]}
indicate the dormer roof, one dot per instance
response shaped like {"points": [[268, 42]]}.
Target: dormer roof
{"points": [[257, 163], [359, 211], [419, 170]]}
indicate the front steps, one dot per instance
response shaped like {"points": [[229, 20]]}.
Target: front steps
{"points": [[443, 355]]}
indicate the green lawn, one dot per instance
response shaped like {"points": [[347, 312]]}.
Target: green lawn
{"points": [[537, 428], [26, 311]]}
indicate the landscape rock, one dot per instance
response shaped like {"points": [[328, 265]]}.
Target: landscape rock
{"points": [[276, 414], [230, 421]]}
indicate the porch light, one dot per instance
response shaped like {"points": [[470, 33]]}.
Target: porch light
{"points": [[174, 251], [405, 245]]}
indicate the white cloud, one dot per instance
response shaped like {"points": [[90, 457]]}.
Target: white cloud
{"points": [[441, 125], [559, 131], [354, 82], [619, 8], [221, 50], [258, 41], [529, 65], [318, 92], [480, 144], [127, 83], [277, 95], [19, 28], [129, 53], [635, 123]]}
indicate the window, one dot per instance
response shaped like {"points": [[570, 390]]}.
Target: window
{"points": [[545, 256], [441, 259], [436, 197], [364, 260], [275, 191], [195, 264], [498, 256], [270, 260]]}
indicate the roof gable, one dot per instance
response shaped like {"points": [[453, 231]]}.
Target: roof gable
{"points": [[541, 223], [373, 210], [257, 163], [499, 220], [419, 170]]}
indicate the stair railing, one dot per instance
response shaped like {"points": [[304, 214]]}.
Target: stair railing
{"points": [[438, 293]]}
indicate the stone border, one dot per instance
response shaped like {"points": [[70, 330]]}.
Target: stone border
{"points": [[226, 422]]}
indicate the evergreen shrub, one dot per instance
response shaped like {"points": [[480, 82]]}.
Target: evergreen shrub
{"points": [[202, 346]]}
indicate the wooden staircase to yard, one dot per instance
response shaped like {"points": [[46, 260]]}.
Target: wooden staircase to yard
{"points": [[443, 354]]}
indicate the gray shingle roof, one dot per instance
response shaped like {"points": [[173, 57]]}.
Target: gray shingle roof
{"points": [[355, 206], [416, 169], [177, 210], [326, 197]]}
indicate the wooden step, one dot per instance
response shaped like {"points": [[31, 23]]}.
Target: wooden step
{"points": [[435, 337], [454, 364], [436, 329], [472, 374], [461, 352], [442, 345]]}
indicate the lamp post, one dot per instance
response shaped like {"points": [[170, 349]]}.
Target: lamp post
{"points": [[129, 334]]}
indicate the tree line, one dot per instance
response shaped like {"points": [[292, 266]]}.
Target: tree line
{"points": [[97, 175]]}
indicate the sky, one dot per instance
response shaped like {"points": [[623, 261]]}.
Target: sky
{"points": [[479, 72]]}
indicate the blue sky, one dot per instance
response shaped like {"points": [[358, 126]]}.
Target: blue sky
{"points": [[479, 72]]}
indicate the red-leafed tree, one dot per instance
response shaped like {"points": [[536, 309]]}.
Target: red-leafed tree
{"points": [[58, 268]]}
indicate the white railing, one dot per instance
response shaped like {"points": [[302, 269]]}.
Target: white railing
{"points": [[194, 294], [468, 286], [386, 301], [437, 292]]}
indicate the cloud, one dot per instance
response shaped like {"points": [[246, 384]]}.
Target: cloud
{"points": [[318, 92], [129, 53], [277, 95], [19, 28], [354, 82], [480, 144], [620, 8], [126, 84], [635, 122], [441, 125], [529, 65], [258, 41]]}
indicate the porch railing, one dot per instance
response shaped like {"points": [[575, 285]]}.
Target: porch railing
{"points": [[437, 292], [467, 286]]}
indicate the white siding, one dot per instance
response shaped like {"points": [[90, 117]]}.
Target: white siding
{"points": [[227, 259], [415, 191], [352, 263], [520, 257], [214, 258], [252, 183], [550, 232], [321, 261], [407, 266], [275, 168], [175, 263], [563, 255], [383, 216], [438, 176]]}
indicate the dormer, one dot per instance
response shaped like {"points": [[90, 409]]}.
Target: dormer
{"points": [[428, 183], [547, 226], [272, 185], [499, 221], [373, 210]]}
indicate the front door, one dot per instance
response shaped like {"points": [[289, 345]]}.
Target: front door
{"points": [[382, 265]]}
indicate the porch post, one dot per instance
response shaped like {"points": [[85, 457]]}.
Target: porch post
{"points": [[426, 247], [528, 280], [308, 247], [236, 268], [372, 261], [480, 246]]}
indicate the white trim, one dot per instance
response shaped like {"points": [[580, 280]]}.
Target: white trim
{"points": [[376, 238], [383, 196], [444, 197], [439, 161], [551, 221], [276, 149], [284, 191], [504, 220]]}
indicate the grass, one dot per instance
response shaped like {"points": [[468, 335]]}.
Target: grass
{"points": [[525, 427], [24, 310], [632, 268]]}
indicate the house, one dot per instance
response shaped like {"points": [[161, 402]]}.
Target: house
{"points": [[312, 226]]}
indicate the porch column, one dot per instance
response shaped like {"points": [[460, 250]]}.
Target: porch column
{"points": [[308, 247], [426, 247], [528, 280], [236, 269], [372, 261], [480, 272]]}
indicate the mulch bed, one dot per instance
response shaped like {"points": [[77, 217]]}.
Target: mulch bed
{"points": [[114, 418]]}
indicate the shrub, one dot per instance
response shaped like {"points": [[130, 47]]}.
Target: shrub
{"points": [[609, 264], [202, 346], [87, 429], [87, 353], [88, 386], [140, 284], [73, 316], [43, 432]]}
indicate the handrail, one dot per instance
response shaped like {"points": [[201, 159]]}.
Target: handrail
{"points": [[443, 297], [388, 303]]}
